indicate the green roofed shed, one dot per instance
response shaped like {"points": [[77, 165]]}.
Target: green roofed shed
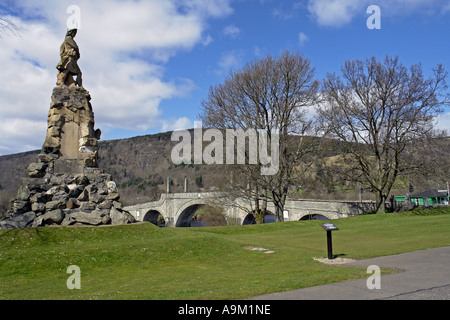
{"points": [[431, 197]]}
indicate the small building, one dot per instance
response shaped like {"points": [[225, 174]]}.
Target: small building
{"points": [[400, 199], [430, 198]]}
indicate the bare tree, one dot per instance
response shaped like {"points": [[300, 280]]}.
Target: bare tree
{"points": [[270, 94], [8, 27], [385, 113]]}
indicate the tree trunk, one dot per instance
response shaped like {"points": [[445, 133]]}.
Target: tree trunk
{"points": [[278, 214], [279, 202], [380, 202], [258, 214]]}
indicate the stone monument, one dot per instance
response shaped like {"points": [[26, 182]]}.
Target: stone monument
{"points": [[65, 186]]}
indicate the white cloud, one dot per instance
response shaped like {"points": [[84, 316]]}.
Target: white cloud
{"points": [[286, 14], [232, 31], [443, 122], [177, 124], [26, 87], [206, 8], [128, 26], [333, 12], [28, 134], [259, 52], [406, 7], [302, 38], [230, 60], [336, 13], [446, 8], [124, 45]]}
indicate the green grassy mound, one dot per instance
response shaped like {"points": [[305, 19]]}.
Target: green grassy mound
{"points": [[142, 261]]}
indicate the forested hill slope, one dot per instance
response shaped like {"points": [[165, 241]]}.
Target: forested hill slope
{"points": [[141, 166]]}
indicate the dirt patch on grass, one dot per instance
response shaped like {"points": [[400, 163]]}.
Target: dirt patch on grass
{"points": [[336, 261], [267, 251]]}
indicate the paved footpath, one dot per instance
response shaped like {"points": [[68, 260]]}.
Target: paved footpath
{"points": [[426, 277]]}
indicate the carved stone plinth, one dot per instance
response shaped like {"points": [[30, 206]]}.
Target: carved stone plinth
{"points": [[70, 132]]}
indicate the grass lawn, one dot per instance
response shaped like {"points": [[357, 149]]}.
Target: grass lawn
{"points": [[142, 261]]}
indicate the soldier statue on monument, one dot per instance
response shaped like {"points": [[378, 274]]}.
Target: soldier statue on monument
{"points": [[68, 66]]}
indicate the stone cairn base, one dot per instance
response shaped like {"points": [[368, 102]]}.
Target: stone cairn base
{"points": [[67, 199], [64, 186]]}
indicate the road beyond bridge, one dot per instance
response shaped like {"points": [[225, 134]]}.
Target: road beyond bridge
{"points": [[177, 209]]}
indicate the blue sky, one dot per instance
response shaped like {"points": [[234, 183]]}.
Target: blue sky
{"points": [[148, 64]]}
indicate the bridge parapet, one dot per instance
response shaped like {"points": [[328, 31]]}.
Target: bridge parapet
{"points": [[191, 195], [332, 209]]}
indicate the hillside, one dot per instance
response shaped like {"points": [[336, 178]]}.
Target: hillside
{"points": [[141, 165], [12, 169]]}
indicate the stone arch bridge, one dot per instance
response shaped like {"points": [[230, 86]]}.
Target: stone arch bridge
{"points": [[178, 209]]}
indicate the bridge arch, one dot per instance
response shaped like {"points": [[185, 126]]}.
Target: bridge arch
{"points": [[315, 216], [250, 219], [185, 217], [186, 213], [152, 217]]}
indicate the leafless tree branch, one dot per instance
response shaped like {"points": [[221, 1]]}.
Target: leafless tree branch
{"points": [[8, 27]]}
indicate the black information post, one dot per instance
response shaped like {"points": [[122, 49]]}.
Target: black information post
{"points": [[328, 228]]}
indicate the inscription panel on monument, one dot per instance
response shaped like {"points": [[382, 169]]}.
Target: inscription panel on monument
{"points": [[69, 141]]}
